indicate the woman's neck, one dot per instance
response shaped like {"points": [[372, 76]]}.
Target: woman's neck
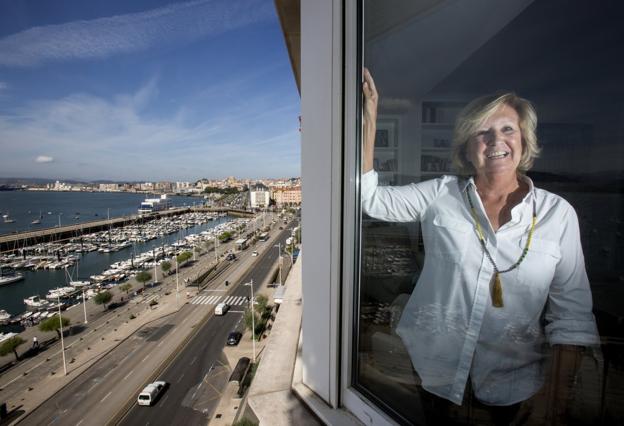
{"points": [[498, 186]]}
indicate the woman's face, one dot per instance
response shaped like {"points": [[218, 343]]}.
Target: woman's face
{"points": [[497, 146]]}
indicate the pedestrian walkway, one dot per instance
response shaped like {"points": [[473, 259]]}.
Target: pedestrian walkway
{"points": [[216, 299]]}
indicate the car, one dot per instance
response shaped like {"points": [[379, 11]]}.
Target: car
{"points": [[230, 256], [254, 253], [151, 392], [281, 228], [233, 338], [221, 309]]}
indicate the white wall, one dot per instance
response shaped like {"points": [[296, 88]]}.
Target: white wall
{"points": [[321, 76]]}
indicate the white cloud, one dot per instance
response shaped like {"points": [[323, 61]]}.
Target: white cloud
{"points": [[104, 37], [98, 138], [44, 159]]}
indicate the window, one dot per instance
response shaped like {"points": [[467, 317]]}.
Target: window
{"points": [[431, 58]]}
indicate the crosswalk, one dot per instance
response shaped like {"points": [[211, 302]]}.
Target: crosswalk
{"points": [[216, 299]]}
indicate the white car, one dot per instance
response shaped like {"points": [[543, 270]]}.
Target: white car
{"points": [[254, 253], [151, 392]]}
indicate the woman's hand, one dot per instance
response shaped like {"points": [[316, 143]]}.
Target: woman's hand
{"points": [[370, 121]]}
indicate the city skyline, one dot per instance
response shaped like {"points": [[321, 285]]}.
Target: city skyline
{"points": [[146, 91]]}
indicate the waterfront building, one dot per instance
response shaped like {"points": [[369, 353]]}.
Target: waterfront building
{"points": [[109, 187], [259, 196], [290, 196]]}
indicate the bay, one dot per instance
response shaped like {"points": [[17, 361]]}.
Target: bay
{"points": [[70, 207]]}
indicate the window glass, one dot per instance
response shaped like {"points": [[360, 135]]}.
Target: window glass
{"points": [[417, 303]]}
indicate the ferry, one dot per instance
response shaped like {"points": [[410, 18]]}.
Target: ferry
{"points": [[152, 205]]}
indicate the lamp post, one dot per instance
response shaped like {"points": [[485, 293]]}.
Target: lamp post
{"points": [[253, 319], [177, 284], [216, 248], [279, 260], [84, 306], [62, 341]]}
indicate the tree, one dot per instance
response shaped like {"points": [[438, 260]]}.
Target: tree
{"points": [[248, 321], [183, 257], [10, 345], [225, 236], [53, 324], [126, 287], [143, 277], [103, 298], [165, 266], [261, 302]]}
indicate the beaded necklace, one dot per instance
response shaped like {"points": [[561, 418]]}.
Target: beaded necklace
{"points": [[497, 290]]}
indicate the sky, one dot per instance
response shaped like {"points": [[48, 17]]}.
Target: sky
{"points": [[146, 90]]}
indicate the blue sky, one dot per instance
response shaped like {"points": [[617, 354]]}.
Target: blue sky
{"points": [[146, 90]]}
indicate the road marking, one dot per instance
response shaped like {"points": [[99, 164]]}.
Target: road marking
{"points": [[162, 401], [107, 395], [128, 375], [162, 341], [236, 312], [193, 362], [80, 422], [146, 357], [180, 378]]}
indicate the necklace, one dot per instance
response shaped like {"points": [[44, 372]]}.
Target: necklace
{"points": [[497, 290]]}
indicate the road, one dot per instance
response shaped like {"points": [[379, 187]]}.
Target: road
{"points": [[195, 373], [200, 372]]}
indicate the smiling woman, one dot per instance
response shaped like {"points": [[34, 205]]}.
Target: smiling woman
{"points": [[474, 303]]}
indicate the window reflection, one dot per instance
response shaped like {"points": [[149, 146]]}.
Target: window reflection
{"points": [[429, 59]]}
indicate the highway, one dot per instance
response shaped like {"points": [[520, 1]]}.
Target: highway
{"points": [[196, 375]]}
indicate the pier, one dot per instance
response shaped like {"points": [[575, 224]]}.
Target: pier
{"points": [[12, 243]]}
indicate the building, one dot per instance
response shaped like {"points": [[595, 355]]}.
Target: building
{"points": [[109, 187], [259, 196], [287, 196], [429, 59]]}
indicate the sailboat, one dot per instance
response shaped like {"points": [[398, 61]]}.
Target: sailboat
{"points": [[7, 218], [37, 221]]}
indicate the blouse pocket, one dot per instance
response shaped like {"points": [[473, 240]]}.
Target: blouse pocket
{"points": [[449, 239], [538, 267]]}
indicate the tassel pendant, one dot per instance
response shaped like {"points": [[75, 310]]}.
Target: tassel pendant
{"points": [[497, 292]]}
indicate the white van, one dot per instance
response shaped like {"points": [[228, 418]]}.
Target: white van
{"points": [[221, 308], [149, 394]]}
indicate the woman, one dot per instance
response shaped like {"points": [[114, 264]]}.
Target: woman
{"points": [[503, 276]]}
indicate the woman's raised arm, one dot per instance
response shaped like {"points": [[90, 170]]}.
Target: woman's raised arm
{"points": [[370, 121]]}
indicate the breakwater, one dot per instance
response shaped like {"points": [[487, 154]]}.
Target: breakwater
{"points": [[13, 243]]}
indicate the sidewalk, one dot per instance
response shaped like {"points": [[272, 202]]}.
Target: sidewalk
{"points": [[230, 405]]}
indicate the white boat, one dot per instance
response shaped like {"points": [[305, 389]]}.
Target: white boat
{"points": [[35, 302], [11, 278], [151, 205], [80, 284], [60, 292], [4, 316]]}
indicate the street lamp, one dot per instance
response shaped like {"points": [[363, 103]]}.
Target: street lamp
{"points": [[253, 319], [61, 327], [177, 284], [279, 260]]}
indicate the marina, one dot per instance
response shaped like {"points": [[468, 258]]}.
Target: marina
{"points": [[57, 274]]}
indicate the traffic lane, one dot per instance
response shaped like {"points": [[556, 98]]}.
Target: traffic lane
{"points": [[91, 389], [188, 370], [180, 404]]}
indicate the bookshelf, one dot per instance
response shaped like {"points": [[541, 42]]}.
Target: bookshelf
{"points": [[437, 122], [386, 158]]}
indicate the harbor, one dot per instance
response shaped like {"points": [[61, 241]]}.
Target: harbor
{"points": [[61, 272]]}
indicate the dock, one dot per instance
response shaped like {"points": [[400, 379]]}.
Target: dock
{"points": [[12, 243]]}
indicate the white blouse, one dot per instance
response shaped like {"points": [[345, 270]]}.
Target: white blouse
{"points": [[449, 326]]}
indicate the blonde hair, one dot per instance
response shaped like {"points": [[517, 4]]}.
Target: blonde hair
{"points": [[479, 110]]}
